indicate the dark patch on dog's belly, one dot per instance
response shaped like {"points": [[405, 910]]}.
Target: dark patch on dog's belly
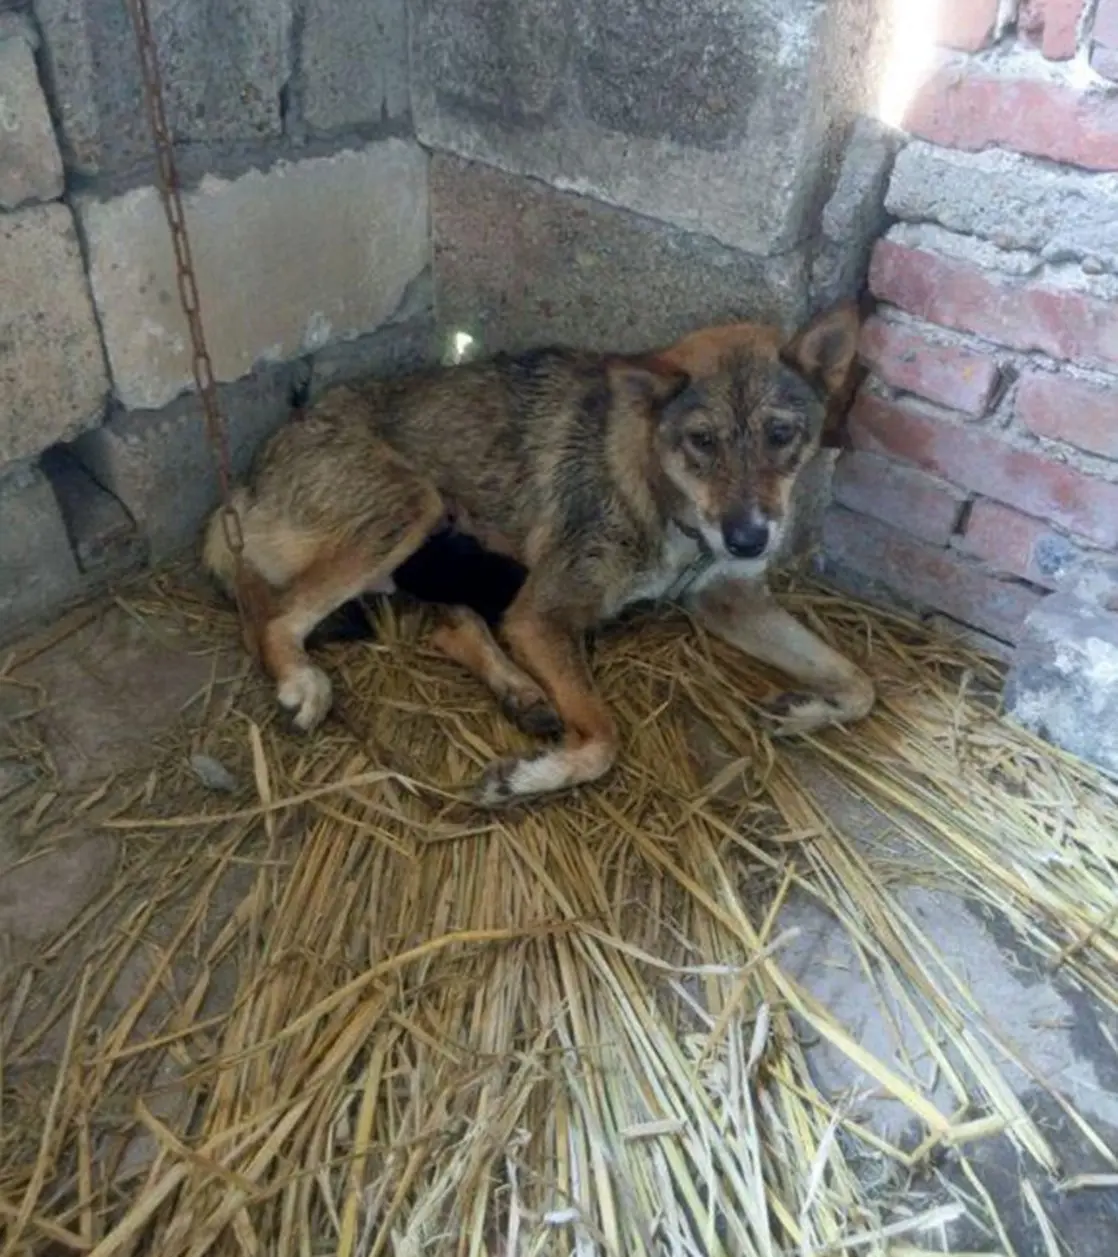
{"points": [[451, 568]]}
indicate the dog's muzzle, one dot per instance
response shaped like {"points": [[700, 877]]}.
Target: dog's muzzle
{"points": [[746, 536]]}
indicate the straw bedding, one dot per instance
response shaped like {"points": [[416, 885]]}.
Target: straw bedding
{"points": [[336, 1011]]}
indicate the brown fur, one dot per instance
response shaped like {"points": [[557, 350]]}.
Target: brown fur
{"points": [[613, 479]]}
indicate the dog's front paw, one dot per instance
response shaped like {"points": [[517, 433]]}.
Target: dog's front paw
{"points": [[510, 780], [496, 785], [307, 694], [795, 713]]}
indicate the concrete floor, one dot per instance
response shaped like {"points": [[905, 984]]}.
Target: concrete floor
{"points": [[110, 693], [95, 703], [1061, 1037]]}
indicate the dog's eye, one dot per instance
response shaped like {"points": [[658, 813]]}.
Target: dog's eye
{"points": [[781, 435], [701, 440]]}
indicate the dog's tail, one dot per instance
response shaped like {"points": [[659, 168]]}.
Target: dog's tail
{"points": [[246, 586], [217, 555]]}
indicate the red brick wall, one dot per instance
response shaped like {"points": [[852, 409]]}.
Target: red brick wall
{"points": [[985, 441]]}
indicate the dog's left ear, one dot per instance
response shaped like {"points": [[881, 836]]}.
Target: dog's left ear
{"points": [[824, 351], [648, 378]]}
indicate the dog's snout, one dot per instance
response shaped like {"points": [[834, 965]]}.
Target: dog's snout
{"points": [[745, 536]]}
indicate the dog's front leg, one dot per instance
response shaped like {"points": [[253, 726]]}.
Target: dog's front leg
{"points": [[548, 647], [747, 616]]}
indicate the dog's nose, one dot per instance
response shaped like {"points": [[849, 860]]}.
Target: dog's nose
{"points": [[745, 538]]}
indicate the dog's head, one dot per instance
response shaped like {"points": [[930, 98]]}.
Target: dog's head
{"points": [[740, 415]]}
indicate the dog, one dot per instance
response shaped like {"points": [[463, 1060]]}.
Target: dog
{"points": [[612, 479], [454, 569]]}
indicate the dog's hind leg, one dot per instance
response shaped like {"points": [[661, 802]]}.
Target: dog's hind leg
{"points": [[344, 564], [463, 636]]}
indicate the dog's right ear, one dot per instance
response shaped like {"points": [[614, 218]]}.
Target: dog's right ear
{"points": [[648, 379]]}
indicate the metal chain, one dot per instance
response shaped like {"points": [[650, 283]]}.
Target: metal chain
{"points": [[201, 364]]}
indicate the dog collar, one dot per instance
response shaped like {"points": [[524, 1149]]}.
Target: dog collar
{"points": [[698, 565]]}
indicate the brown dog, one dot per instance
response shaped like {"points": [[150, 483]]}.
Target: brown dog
{"points": [[613, 479]]}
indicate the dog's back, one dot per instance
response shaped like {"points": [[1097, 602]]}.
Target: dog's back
{"points": [[494, 435]]}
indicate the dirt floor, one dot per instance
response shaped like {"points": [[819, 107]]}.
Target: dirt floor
{"points": [[128, 709]]}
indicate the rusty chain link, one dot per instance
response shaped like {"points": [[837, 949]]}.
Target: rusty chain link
{"points": [[201, 363]]}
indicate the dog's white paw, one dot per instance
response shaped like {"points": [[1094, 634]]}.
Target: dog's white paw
{"points": [[307, 694], [792, 714], [548, 772]]}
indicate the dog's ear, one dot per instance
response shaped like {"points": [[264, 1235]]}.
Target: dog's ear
{"points": [[825, 350], [647, 378]]}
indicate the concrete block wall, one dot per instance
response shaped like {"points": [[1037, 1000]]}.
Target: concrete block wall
{"points": [[365, 180], [623, 172], [307, 200], [986, 440]]}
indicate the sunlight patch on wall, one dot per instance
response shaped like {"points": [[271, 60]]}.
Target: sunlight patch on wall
{"points": [[911, 52]]}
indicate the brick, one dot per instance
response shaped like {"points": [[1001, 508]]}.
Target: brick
{"points": [[968, 25], [38, 574], [1105, 30], [988, 464], [288, 260], [518, 264], [353, 61], [952, 375], [161, 467], [1018, 545], [1070, 410], [1052, 25], [52, 371], [894, 494], [973, 109], [1017, 202], [576, 97], [1022, 312], [933, 579], [224, 67], [30, 164]]}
